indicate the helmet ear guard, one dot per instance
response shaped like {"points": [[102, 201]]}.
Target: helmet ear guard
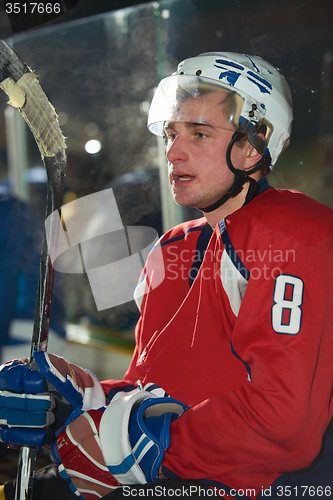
{"points": [[252, 132]]}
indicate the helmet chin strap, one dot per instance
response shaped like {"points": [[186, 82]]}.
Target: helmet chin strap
{"points": [[241, 177]]}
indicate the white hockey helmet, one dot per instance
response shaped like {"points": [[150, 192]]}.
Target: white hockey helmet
{"points": [[262, 97]]}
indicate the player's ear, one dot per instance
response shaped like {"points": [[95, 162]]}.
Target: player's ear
{"points": [[252, 155]]}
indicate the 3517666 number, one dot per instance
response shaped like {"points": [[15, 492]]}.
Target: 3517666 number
{"points": [[304, 491], [32, 8]]}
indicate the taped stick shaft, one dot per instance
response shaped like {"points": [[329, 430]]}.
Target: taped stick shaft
{"points": [[55, 170]]}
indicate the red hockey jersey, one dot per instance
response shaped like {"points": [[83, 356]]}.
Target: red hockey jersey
{"points": [[240, 329]]}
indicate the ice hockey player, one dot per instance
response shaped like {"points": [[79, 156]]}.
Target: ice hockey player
{"points": [[229, 392]]}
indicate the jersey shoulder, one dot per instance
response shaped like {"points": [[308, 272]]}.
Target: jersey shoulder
{"points": [[288, 211], [183, 229], [282, 219]]}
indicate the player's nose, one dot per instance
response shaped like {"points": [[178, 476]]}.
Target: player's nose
{"points": [[177, 151]]}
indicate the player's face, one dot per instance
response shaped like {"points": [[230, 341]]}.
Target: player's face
{"points": [[196, 147]]}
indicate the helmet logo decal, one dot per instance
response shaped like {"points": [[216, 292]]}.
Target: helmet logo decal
{"points": [[232, 75], [264, 85], [228, 63]]}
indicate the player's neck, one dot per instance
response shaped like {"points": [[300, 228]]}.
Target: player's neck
{"points": [[230, 206]]}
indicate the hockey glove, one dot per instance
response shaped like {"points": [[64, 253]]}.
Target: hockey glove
{"points": [[36, 404], [121, 444], [134, 432]]}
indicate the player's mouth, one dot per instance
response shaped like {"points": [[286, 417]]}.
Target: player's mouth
{"points": [[181, 178], [185, 177]]}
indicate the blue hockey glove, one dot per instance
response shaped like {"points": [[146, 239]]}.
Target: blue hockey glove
{"points": [[36, 404], [134, 432]]}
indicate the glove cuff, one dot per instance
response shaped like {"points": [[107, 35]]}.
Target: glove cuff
{"points": [[114, 429]]}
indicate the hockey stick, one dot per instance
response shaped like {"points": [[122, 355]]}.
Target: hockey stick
{"points": [[25, 93]]}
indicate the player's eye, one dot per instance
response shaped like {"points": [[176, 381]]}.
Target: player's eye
{"points": [[169, 136], [201, 135]]}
